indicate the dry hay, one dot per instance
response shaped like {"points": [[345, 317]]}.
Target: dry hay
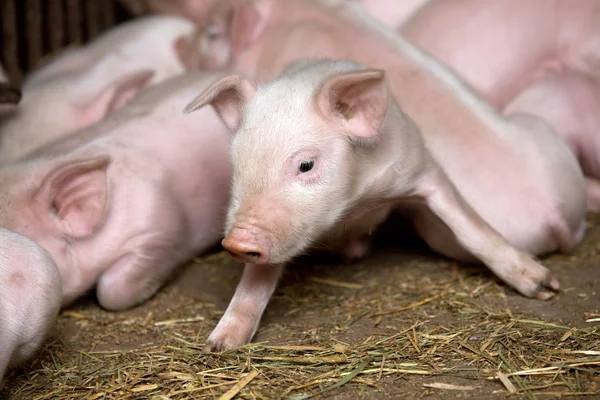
{"points": [[431, 329]]}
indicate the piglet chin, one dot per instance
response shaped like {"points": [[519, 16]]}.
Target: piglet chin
{"points": [[248, 246]]}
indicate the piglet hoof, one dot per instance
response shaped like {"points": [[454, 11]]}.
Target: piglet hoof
{"points": [[356, 248], [535, 281], [229, 335], [548, 288], [215, 346], [222, 342]]}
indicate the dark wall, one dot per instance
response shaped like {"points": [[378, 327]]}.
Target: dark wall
{"points": [[33, 30]]}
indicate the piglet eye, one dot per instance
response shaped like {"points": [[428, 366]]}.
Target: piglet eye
{"points": [[306, 166], [212, 35]]}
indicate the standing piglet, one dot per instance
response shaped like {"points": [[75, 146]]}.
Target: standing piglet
{"points": [[332, 159], [81, 86], [30, 292], [121, 204]]}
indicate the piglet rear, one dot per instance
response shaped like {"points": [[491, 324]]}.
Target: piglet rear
{"points": [[30, 294]]}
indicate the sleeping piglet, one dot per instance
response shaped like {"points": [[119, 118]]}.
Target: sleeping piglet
{"points": [[549, 68], [82, 85], [30, 292], [122, 203], [30, 287]]}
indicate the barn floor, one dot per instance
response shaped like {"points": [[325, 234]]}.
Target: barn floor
{"points": [[402, 323]]}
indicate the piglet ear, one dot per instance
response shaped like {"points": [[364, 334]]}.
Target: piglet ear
{"points": [[247, 24], [229, 28], [357, 100], [74, 196], [228, 96], [188, 51], [115, 95]]}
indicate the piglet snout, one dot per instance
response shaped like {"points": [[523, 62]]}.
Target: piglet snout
{"points": [[247, 247]]}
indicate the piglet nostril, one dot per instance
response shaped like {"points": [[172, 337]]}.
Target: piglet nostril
{"points": [[248, 251], [231, 253]]}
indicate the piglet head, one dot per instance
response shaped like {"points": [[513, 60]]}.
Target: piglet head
{"points": [[294, 154], [57, 203], [229, 27]]}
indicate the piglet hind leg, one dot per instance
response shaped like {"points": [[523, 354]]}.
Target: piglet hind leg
{"points": [[477, 237], [240, 321]]}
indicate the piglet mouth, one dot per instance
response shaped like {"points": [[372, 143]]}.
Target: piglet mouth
{"points": [[248, 246]]}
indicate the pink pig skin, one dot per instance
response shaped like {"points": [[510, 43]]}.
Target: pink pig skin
{"points": [[81, 86], [539, 57], [124, 202], [516, 167], [30, 292], [392, 13]]}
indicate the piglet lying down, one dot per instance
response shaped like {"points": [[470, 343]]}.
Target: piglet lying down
{"points": [[121, 204], [30, 287], [321, 156], [83, 85], [549, 68]]}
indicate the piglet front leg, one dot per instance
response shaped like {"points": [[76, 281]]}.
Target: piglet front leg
{"points": [[515, 267], [240, 321]]}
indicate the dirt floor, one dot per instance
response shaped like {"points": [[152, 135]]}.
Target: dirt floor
{"points": [[402, 323]]}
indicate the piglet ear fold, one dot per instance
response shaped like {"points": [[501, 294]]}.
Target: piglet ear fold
{"points": [[74, 196], [357, 100], [115, 95], [182, 47], [228, 96], [188, 50], [247, 24]]}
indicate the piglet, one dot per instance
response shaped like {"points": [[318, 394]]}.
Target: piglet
{"points": [[476, 185], [30, 293], [121, 204], [321, 156], [83, 85], [539, 57]]}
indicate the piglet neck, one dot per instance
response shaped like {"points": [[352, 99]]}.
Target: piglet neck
{"points": [[394, 161]]}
